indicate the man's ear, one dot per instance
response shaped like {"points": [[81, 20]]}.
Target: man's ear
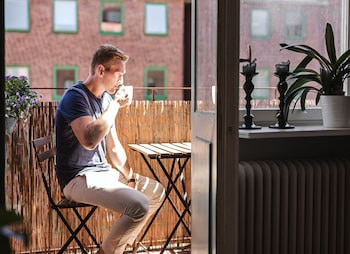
{"points": [[100, 69]]}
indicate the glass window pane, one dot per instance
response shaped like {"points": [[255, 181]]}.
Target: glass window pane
{"points": [[16, 15], [156, 77], [111, 17], [64, 77], [65, 16], [295, 24], [260, 25], [156, 19], [17, 71], [266, 24], [206, 55]]}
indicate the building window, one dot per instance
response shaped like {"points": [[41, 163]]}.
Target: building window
{"points": [[65, 16], [260, 23], [63, 78], [17, 70], [295, 25], [111, 17], [262, 84], [156, 77], [156, 19], [17, 15]]}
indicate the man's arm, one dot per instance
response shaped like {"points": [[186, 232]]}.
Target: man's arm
{"points": [[90, 132], [117, 155]]}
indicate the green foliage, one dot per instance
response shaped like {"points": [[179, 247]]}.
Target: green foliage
{"points": [[20, 100], [329, 80], [7, 218]]}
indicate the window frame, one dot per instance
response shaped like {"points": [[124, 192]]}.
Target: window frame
{"points": [[164, 96], [27, 29], [121, 4], [147, 15], [75, 68], [56, 30]]}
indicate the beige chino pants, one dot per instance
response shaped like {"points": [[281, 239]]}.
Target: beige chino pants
{"points": [[108, 189]]}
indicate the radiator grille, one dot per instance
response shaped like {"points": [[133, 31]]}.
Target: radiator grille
{"points": [[294, 206]]}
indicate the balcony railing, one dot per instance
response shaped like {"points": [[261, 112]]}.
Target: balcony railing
{"points": [[141, 122], [263, 97]]}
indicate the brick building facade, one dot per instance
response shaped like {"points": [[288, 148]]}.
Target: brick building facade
{"points": [[41, 49]]}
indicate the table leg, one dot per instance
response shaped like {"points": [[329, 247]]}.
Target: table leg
{"points": [[171, 186]]}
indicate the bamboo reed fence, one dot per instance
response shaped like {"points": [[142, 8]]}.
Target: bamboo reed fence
{"points": [[141, 122]]}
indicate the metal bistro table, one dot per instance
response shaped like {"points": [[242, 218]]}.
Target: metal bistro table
{"points": [[179, 153]]}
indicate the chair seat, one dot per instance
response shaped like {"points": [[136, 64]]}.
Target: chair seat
{"points": [[66, 203]]}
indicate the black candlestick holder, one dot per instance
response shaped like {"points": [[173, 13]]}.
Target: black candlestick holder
{"points": [[282, 72], [249, 71]]}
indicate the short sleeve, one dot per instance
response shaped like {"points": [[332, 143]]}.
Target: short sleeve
{"points": [[74, 105]]}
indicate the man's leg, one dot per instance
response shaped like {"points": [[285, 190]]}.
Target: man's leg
{"points": [[155, 193], [108, 189]]}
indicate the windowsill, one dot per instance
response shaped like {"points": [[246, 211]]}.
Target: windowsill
{"points": [[296, 132], [266, 117]]}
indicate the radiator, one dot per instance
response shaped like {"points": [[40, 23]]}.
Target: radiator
{"points": [[294, 206]]}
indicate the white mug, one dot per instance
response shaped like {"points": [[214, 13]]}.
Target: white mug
{"points": [[129, 90]]}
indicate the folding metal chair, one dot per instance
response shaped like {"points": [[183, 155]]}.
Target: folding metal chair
{"points": [[45, 152]]}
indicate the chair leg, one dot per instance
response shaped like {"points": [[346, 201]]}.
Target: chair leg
{"points": [[85, 226], [72, 232], [77, 230]]}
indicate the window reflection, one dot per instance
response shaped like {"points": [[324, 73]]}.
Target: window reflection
{"points": [[266, 24]]}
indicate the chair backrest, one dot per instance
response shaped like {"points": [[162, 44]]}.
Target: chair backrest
{"points": [[45, 152]]}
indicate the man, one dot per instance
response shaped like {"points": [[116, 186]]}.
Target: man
{"points": [[86, 134]]}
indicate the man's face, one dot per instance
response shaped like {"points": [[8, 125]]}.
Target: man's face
{"points": [[113, 77]]}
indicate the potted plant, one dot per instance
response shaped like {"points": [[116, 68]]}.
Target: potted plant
{"points": [[20, 100], [327, 82]]}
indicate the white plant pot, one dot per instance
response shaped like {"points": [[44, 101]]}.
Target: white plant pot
{"points": [[335, 111]]}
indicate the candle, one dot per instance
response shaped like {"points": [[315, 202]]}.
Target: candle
{"points": [[249, 68], [249, 53], [282, 68]]}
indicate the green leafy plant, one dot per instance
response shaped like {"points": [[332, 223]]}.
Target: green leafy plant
{"points": [[20, 100], [328, 80], [8, 218]]}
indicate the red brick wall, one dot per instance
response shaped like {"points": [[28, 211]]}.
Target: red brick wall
{"points": [[41, 49]]}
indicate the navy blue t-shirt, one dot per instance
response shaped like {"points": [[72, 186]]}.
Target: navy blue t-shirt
{"points": [[72, 158]]}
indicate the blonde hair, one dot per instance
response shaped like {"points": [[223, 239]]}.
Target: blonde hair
{"points": [[106, 54]]}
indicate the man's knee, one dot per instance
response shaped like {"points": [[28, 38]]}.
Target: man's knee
{"points": [[139, 208]]}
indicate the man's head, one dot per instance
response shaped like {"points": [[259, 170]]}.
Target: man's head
{"points": [[107, 55]]}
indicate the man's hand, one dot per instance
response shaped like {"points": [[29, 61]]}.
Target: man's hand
{"points": [[132, 185], [122, 98]]}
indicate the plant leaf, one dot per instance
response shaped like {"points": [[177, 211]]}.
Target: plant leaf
{"points": [[309, 51], [329, 39], [8, 217]]}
